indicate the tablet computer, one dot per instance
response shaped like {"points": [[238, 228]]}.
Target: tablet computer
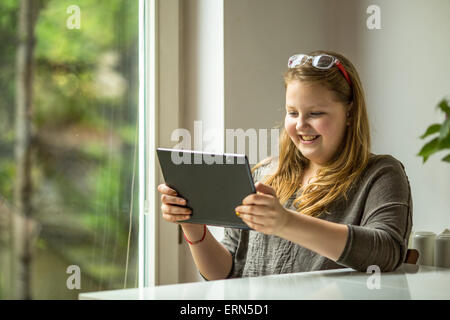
{"points": [[212, 184]]}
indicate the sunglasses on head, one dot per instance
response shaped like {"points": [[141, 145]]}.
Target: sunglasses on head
{"points": [[323, 61]]}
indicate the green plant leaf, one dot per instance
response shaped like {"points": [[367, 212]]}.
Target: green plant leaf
{"points": [[428, 149], [443, 105], [431, 129], [445, 130], [444, 144], [446, 158]]}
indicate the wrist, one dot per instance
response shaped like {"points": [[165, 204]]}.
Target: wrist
{"points": [[195, 237], [286, 222]]}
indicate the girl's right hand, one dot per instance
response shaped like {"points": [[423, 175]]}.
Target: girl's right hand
{"points": [[173, 208]]}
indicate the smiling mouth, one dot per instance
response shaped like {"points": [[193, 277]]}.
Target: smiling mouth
{"points": [[308, 138]]}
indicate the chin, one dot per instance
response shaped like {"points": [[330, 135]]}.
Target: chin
{"points": [[309, 155], [312, 155]]}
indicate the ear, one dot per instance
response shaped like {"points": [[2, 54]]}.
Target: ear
{"points": [[350, 106]]}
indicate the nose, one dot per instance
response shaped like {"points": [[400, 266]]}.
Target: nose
{"points": [[301, 123]]}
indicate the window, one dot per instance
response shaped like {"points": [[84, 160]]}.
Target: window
{"points": [[69, 191]]}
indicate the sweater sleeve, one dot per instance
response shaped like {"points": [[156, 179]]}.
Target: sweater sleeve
{"points": [[381, 239]]}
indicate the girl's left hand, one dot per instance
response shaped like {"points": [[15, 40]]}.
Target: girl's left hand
{"points": [[262, 211]]}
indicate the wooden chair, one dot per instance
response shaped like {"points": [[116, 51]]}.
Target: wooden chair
{"points": [[412, 255]]}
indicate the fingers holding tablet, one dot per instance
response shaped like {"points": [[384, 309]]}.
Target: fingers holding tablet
{"points": [[165, 189], [173, 200], [173, 207]]}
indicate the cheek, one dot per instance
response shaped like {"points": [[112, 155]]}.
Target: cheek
{"points": [[330, 129], [324, 127], [290, 126]]}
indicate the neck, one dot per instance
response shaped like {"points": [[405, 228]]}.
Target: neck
{"points": [[312, 168]]}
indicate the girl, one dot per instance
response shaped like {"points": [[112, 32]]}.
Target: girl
{"points": [[325, 202]]}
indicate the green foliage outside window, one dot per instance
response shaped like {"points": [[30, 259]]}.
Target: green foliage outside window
{"points": [[85, 96]]}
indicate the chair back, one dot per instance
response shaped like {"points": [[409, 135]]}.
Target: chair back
{"points": [[412, 255]]}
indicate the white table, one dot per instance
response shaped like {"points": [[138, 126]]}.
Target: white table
{"points": [[407, 282]]}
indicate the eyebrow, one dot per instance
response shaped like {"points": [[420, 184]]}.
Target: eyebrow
{"points": [[309, 107]]}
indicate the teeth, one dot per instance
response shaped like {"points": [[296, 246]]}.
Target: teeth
{"points": [[309, 138]]}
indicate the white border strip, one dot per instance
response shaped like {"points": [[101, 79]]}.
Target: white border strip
{"points": [[147, 142], [141, 141], [151, 232]]}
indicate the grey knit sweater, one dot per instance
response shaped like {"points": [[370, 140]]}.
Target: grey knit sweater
{"points": [[378, 214]]}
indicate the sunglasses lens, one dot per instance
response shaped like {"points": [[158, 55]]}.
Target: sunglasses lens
{"points": [[297, 60], [323, 61]]}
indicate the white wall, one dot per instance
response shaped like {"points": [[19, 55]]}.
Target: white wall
{"points": [[404, 68], [407, 76]]}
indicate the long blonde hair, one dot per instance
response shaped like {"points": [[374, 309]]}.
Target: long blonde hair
{"points": [[336, 178]]}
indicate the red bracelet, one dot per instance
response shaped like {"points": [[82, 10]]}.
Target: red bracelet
{"points": [[198, 241]]}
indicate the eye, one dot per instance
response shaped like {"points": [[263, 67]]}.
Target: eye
{"points": [[315, 114], [292, 113]]}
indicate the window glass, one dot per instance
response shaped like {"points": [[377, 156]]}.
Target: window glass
{"points": [[68, 139]]}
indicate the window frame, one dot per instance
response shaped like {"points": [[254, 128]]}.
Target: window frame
{"points": [[159, 103]]}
